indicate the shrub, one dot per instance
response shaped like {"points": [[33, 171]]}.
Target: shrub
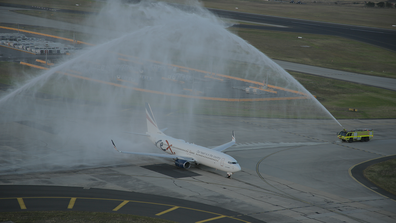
{"points": [[381, 4], [389, 5]]}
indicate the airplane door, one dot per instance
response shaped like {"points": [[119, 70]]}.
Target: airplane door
{"points": [[222, 162]]}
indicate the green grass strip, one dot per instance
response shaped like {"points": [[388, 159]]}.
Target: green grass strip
{"points": [[383, 175]]}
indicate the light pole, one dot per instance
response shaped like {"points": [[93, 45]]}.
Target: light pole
{"points": [[46, 52]]}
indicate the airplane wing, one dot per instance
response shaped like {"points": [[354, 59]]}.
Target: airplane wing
{"points": [[153, 154], [226, 145]]}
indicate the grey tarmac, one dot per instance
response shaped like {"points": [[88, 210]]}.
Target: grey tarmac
{"points": [[375, 81], [292, 170]]}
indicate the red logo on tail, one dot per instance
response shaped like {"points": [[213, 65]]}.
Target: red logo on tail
{"points": [[169, 147]]}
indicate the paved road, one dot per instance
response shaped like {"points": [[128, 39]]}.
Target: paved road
{"points": [[293, 169], [381, 82], [357, 173], [380, 37], [55, 198]]}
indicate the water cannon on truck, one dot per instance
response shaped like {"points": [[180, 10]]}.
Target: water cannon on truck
{"points": [[362, 134]]}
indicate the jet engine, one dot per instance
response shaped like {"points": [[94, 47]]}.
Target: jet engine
{"points": [[182, 164]]}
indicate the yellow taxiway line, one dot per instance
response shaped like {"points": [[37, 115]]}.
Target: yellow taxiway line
{"points": [[166, 211], [206, 76], [211, 219], [73, 200], [32, 65], [71, 203], [262, 89], [124, 202], [44, 62], [153, 61], [220, 75], [21, 203], [120, 205]]}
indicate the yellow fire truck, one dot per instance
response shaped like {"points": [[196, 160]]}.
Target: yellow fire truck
{"points": [[363, 135]]}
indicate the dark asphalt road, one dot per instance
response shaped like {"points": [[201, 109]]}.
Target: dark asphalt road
{"points": [[45, 198], [379, 37], [357, 173]]}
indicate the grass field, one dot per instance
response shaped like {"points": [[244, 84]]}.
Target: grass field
{"points": [[338, 96], [12, 73], [383, 175], [74, 217], [60, 16], [324, 51]]}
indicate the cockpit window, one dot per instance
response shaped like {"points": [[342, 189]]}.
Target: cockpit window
{"points": [[232, 162]]}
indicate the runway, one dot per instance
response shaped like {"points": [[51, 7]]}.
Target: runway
{"points": [[380, 37], [369, 80], [54, 198]]}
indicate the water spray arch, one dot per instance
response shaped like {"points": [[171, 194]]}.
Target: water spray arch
{"points": [[181, 61]]}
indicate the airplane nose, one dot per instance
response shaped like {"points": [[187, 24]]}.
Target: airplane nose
{"points": [[238, 168]]}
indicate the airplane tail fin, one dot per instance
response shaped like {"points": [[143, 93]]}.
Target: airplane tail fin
{"points": [[152, 126]]}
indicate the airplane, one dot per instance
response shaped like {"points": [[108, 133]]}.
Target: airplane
{"points": [[184, 153]]}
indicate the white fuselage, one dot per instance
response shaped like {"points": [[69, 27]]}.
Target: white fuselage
{"points": [[200, 154]]}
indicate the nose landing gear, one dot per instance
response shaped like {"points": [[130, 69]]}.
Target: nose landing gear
{"points": [[229, 175]]}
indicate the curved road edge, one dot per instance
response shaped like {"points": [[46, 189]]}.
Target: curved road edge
{"points": [[356, 172], [50, 198]]}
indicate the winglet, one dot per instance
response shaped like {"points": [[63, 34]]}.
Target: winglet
{"points": [[233, 136], [115, 147]]}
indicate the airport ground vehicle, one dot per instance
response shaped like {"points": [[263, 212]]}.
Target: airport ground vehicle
{"points": [[362, 134]]}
